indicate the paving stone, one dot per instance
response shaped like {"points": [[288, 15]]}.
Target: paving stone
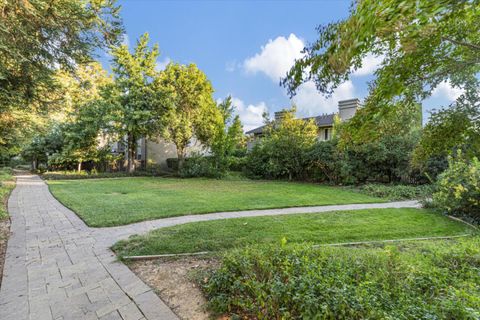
{"points": [[56, 269]]}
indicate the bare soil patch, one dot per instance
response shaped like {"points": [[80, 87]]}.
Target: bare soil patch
{"points": [[4, 233], [173, 281]]}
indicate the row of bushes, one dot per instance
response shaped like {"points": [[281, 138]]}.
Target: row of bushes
{"points": [[386, 161], [93, 174], [419, 281]]}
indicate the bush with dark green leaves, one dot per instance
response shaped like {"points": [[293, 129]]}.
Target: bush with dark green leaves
{"points": [[200, 166], [435, 280], [387, 160], [458, 188]]}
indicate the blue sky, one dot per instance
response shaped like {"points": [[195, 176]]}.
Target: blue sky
{"points": [[244, 47]]}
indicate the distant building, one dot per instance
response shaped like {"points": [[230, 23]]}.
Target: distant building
{"points": [[346, 110]]}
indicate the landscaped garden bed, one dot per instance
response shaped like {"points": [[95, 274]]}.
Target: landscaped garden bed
{"points": [[110, 202], [269, 267], [429, 280]]}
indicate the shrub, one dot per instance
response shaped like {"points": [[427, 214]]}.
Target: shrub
{"points": [[398, 192], [237, 163], [172, 163], [281, 152], [458, 188], [199, 166], [421, 281]]}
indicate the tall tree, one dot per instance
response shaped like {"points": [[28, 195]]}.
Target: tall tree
{"points": [[131, 97], [229, 133], [423, 43], [186, 106], [37, 37]]}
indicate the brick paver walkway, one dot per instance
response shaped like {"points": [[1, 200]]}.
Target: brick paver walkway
{"points": [[58, 268]]}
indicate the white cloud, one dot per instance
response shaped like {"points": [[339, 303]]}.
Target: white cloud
{"points": [[369, 65], [161, 65], [279, 55], [276, 57], [250, 115], [446, 90], [311, 103]]}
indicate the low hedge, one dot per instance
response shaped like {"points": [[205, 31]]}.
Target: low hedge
{"points": [[398, 192], [435, 280], [71, 175]]}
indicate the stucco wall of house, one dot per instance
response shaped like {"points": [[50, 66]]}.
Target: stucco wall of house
{"points": [[158, 151]]}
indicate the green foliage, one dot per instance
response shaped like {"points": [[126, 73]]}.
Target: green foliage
{"points": [[458, 188], [186, 107], [7, 183], [200, 166], [448, 130], [130, 100], [432, 280], [398, 192], [281, 153], [373, 122], [37, 37], [385, 160], [229, 138], [75, 175], [422, 42]]}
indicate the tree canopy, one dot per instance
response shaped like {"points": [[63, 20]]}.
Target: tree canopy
{"points": [[131, 97], [38, 37], [186, 106], [422, 43]]}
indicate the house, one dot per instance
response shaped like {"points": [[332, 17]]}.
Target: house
{"points": [[346, 110], [155, 152]]}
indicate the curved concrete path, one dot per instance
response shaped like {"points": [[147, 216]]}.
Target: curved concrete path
{"points": [[58, 268]]}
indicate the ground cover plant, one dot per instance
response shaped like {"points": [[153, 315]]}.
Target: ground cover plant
{"points": [[397, 192], [109, 202], [432, 280], [6, 185], [319, 228]]}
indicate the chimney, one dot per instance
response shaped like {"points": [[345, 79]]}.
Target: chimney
{"points": [[279, 115], [347, 108]]}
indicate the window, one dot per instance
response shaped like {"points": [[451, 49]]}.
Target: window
{"points": [[326, 134]]}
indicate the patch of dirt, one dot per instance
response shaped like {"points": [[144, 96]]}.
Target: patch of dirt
{"points": [[4, 233], [172, 279]]}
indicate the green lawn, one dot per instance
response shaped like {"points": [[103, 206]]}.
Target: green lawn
{"points": [[318, 228], [112, 202]]}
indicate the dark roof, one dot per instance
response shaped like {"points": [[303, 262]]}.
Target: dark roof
{"points": [[325, 120]]}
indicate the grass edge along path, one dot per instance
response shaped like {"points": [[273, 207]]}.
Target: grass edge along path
{"points": [[122, 201], [7, 184], [316, 228]]}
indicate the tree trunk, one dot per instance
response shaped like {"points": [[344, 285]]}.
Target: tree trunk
{"points": [[181, 158], [131, 153], [79, 166], [34, 164]]}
